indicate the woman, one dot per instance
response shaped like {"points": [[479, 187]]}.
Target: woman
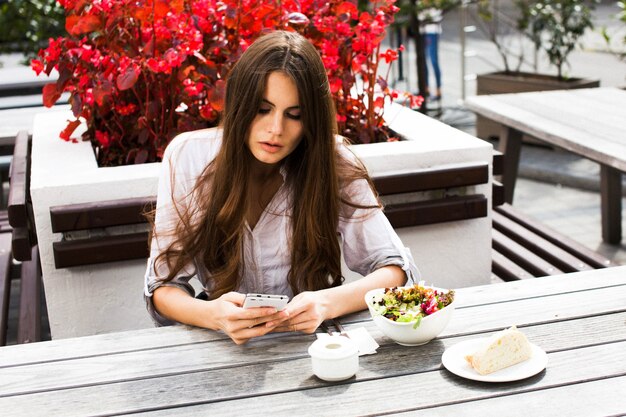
{"points": [[265, 203]]}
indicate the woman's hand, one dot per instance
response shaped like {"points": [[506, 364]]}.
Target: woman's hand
{"points": [[242, 324], [306, 311]]}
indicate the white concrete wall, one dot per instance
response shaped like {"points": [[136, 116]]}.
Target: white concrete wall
{"points": [[91, 299], [108, 297]]}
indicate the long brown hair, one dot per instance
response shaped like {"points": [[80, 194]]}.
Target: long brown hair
{"points": [[317, 175]]}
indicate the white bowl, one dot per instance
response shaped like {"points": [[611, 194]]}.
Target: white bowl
{"points": [[404, 333]]}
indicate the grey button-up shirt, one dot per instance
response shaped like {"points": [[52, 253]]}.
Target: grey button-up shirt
{"points": [[367, 239]]}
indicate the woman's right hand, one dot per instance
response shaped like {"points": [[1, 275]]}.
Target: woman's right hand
{"points": [[224, 313], [242, 324]]}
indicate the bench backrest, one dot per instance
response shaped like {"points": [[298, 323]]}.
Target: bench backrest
{"points": [[134, 245], [19, 205]]}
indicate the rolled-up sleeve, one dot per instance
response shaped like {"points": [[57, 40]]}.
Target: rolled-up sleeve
{"points": [[368, 239], [175, 184]]}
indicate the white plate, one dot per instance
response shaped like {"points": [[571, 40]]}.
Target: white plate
{"points": [[454, 360]]}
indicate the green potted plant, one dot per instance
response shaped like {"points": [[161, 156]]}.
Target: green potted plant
{"points": [[554, 27], [614, 44]]}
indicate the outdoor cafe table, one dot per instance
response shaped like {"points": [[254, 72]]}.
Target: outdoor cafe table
{"points": [[589, 122], [578, 319]]}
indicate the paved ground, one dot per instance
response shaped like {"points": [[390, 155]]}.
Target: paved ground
{"points": [[555, 187]]}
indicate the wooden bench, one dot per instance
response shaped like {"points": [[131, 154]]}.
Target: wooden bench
{"points": [[525, 248], [18, 241], [5, 274], [522, 248]]}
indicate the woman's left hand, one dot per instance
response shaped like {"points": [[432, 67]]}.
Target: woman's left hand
{"points": [[307, 311]]}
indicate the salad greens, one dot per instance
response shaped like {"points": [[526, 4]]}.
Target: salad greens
{"points": [[408, 304]]}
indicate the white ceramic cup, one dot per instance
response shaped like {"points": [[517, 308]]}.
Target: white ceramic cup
{"points": [[334, 358]]}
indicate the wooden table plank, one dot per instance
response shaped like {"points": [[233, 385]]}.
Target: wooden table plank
{"points": [[539, 287], [605, 397], [260, 379], [537, 310], [416, 391], [585, 132], [220, 354], [589, 111], [104, 344], [590, 135]]}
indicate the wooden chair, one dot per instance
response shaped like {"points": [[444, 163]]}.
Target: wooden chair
{"points": [[20, 244]]}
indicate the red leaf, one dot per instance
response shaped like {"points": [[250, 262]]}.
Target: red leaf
{"points": [[141, 13], [79, 5], [148, 48], [50, 94], [184, 72], [161, 8], [379, 102], [77, 105], [78, 25], [130, 156], [37, 66], [102, 92], [64, 76], [230, 18], [177, 6], [128, 78], [216, 95], [141, 157], [347, 8], [69, 129], [70, 22], [143, 136]]}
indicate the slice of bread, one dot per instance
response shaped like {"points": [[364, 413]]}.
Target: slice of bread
{"points": [[503, 349]]}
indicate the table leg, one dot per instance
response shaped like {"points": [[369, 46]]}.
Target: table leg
{"points": [[510, 145], [611, 200]]}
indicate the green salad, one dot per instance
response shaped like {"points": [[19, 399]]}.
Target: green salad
{"points": [[408, 304]]}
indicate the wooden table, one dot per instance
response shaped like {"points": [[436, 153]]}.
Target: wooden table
{"points": [[579, 319], [589, 122]]}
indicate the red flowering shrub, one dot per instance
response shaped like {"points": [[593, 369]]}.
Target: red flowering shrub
{"points": [[141, 71]]}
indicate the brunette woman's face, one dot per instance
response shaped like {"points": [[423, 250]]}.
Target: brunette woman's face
{"points": [[277, 129]]}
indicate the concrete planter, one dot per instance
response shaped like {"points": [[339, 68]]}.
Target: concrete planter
{"points": [[91, 299], [519, 82], [108, 297]]}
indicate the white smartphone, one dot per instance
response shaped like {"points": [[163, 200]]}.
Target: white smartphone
{"points": [[265, 300]]}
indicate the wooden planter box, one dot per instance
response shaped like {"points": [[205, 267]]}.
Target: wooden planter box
{"points": [[519, 82]]}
